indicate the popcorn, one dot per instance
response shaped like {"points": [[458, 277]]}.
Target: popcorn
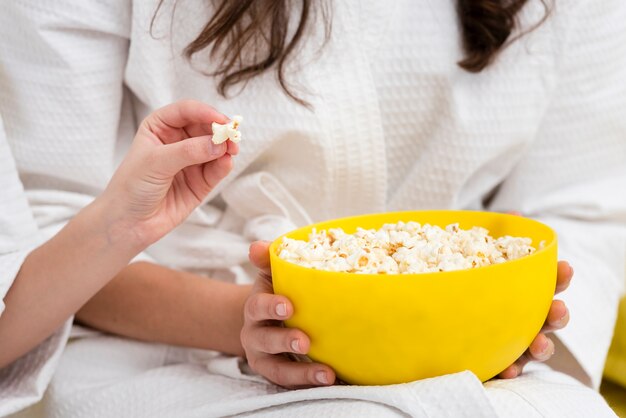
{"points": [[230, 130], [403, 248]]}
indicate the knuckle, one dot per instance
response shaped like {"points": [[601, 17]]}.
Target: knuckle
{"points": [[276, 374], [244, 337], [266, 341], [252, 306], [154, 124], [308, 374], [148, 121], [253, 363], [270, 308]]}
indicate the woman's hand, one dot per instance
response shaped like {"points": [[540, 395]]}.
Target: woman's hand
{"points": [[264, 339], [542, 347], [171, 167]]}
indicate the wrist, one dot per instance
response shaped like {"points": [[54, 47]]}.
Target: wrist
{"points": [[233, 315], [241, 295], [115, 226]]}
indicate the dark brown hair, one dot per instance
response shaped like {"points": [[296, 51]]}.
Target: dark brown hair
{"points": [[486, 26], [249, 37]]}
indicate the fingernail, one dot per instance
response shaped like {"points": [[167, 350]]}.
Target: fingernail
{"points": [[281, 309], [546, 352], [295, 346], [562, 321], [321, 377]]}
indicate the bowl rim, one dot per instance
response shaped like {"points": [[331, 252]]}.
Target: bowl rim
{"points": [[274, 258]]}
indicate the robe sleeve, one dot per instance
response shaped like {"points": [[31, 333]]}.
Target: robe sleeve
{"points": [[61, 73]]}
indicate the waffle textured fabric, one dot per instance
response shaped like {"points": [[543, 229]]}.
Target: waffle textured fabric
{"points": [[397, 125]]}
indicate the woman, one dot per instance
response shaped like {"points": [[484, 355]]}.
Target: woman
{"points": [[390, 106]]}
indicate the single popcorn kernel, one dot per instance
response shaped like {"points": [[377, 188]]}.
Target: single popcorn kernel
{"points": [[403, 248], [230, 130]]}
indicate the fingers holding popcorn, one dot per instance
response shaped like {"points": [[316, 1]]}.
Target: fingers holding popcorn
{"points": [[192, 151], [172, 165], [180, 120], [215, 171], [223, 132]]}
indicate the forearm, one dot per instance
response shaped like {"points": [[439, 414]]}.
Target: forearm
{"points": [[153, 303], [144, 200], [58, 277]]}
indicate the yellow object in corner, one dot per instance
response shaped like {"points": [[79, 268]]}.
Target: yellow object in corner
{"points": [[385, 329], [615, 368]]}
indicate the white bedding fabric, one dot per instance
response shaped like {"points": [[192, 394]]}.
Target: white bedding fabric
{"points": [[397, 125]]}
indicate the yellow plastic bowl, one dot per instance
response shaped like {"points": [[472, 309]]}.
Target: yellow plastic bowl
{"points": [[384, 329]]}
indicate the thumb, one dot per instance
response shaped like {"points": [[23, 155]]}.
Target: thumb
{"points": [[198, 150], [260, 255]]}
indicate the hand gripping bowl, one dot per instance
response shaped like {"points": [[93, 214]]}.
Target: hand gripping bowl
{"points": [[375, 329]]}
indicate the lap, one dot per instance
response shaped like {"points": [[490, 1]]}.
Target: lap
{"points": [[107, 376], [543, 392]]}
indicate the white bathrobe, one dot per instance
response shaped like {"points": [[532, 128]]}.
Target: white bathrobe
{"points": [[396, 125]]}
